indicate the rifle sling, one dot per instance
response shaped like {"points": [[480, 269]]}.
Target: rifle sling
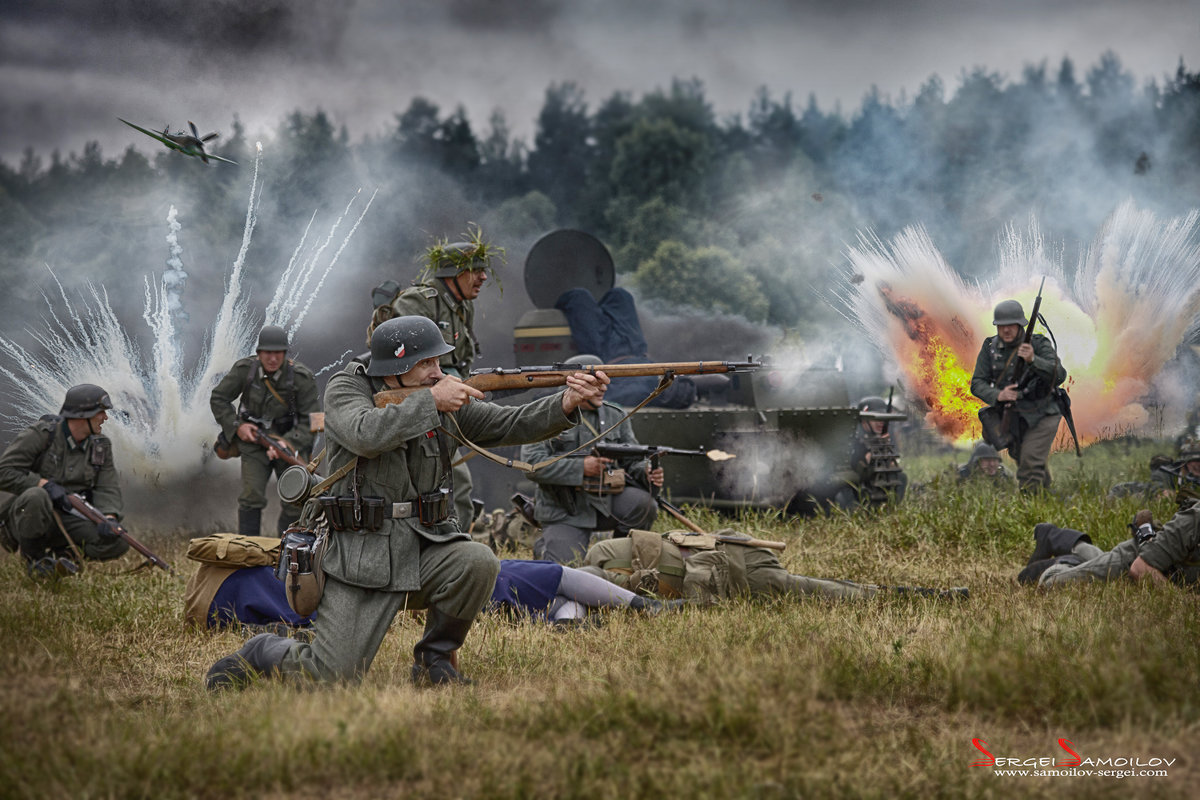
{"points": [[663, 383]]}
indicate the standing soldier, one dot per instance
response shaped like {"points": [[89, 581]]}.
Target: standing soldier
{"points": [[57, 455], [413, 554], [1035, 414], [445, 292], [276, 395]]}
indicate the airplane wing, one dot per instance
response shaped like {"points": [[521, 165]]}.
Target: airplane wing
{"points": [[218, 158], [151, 134]]}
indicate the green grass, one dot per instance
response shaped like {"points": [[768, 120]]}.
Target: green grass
{"points": [[102, 686]]}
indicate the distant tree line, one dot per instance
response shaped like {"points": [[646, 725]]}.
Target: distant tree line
{"points": [[744, 214]]}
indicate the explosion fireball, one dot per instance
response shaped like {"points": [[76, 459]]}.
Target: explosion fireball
{"points": [[1134, 299]]}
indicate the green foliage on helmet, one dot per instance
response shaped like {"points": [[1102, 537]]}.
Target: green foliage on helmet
{"points": [[446, 259]]}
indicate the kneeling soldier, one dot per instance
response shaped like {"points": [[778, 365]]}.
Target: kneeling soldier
{"points": [[417, 555], [58, 455]]}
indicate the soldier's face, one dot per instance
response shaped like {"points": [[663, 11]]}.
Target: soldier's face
{"points": [[1192, 467], [874, 426], [1008, 333], [271, 359], [425, 372], [989, 466], [470, 283]]}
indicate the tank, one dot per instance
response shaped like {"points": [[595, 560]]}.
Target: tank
{"points": [[776, 437]]}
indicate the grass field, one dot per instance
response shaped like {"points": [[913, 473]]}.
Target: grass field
{"points": [[102, 687]]}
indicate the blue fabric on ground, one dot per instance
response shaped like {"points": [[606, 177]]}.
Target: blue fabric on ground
{"points": [[253, 596], [526, 587]]}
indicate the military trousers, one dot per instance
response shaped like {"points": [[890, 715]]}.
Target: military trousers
{"points": [[567, 544], [463, 486], [257, 470], [456, 577], [31, 522], [766, 576], [1033, 471], [1098, 566]]}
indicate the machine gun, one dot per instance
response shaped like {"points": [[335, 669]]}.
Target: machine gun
{"points": [[542, 377], [89, 512], [650, 451]]}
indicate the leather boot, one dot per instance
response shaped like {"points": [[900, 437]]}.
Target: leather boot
{"points": [[249, 521], [652, 605], [435, 655], [287, 518], [259, 656]]}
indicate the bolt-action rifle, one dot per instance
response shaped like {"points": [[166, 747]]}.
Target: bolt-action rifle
{"points": [[542, 377], [227, 449], [89, 512]]}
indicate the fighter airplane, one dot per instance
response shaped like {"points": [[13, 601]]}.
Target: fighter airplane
{"points": [[188, 145]]}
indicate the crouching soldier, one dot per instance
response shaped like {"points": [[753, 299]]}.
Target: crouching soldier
{"points": [[710, 567], [398, 545], [59, 455]]}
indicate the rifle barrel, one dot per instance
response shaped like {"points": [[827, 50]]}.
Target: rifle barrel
{"points": [[95, 515]]}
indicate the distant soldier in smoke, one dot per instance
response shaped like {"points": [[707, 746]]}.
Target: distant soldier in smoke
{"points": [[276, 395], [452, 278], [579, 495], [1035, 413], [874, 476], [57, 455], [1161, 481], [984, 465]]}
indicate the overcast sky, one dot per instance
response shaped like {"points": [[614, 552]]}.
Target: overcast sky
{"points": [[69, 68]]}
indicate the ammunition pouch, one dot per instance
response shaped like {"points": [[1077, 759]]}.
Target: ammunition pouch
{"points": [[609, 481], [300, 567], [434, 507], [224, 448]]}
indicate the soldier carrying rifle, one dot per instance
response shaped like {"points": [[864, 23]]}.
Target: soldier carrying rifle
{"points": [[277, 397], [56, 456]]}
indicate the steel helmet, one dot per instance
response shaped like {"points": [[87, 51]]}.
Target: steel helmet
{"points": [[399, 343], [1009, 312], [273, 339], [983, 450], [584, 360], [84, 401], [458, 257]]}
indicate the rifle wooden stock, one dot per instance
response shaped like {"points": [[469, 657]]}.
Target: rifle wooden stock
{"points": [[747, 541], [281, 447], [491, 380], [95, 515]]}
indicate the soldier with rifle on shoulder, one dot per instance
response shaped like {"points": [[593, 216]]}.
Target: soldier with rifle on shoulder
{"points": [[1019, 379], [56, 456], [271, 427]]}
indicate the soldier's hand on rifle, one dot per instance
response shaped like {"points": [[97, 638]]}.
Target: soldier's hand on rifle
{"points": [[58, 495], [655, 476], [1025, 351], [594, 465], [107, 531], [451, 394], [245, 431], [584, 387], [1009, 393]]}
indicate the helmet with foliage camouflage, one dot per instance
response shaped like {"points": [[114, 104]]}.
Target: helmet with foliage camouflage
{"points": [[398, 344], [273, 339], [84, 401], [1009, 312], [445, 259]]}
